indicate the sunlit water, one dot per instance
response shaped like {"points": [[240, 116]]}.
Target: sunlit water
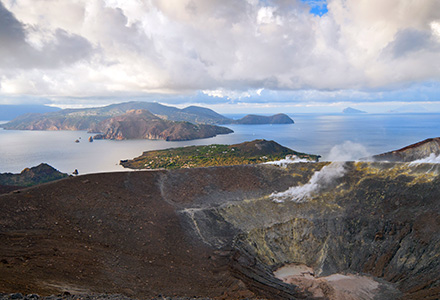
{"points": [[311, 133]]}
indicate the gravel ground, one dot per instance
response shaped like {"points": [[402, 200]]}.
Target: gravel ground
{"points": [[68, 296]]}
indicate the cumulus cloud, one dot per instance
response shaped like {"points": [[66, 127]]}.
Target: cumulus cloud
{"points": [[19, 51], [222, 47]]}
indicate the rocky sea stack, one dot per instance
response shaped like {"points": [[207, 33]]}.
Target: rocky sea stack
{"points": [[222, 232]]}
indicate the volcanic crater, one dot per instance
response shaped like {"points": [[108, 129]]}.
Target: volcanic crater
{"points": [[218, 233]]}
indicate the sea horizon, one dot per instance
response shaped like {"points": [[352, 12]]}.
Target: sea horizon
{"points": [[332, 135]]}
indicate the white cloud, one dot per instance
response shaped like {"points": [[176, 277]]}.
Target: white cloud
{"points": [[435, 27], [232, 95], [267, 15], [224, 47]]}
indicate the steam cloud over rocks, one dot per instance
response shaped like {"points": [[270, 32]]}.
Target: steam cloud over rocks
{"points": [[319, 180], [431, 159], [292, 159], [348, 151]]}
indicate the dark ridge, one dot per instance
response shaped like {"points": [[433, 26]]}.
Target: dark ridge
{"points": [[29, 176], [412, 152]]}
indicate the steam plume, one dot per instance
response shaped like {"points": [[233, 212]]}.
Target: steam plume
{"points": [[348, 151], [431, 159], [291, 159], [318, 181]]}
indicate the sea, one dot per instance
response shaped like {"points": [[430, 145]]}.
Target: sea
{"points": [[333, 136]]}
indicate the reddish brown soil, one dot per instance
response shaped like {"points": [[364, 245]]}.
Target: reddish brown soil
{"points": [[105, 233]]}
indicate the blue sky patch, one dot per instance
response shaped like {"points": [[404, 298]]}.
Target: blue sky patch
{"points": [[317, 7]]}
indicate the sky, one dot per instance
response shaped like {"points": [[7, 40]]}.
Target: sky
{"points": [[230, 55]]}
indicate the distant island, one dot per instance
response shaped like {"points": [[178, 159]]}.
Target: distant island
{"points": [[111, 122], [410, 108], [29, 177], [256, 119], [141, 124], [10, 111], [254, 152], [350, 110]]}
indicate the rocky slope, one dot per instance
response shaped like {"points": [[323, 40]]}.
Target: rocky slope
{"points": [[222, 232], [141, 124], [412, 152], [254, 152]]}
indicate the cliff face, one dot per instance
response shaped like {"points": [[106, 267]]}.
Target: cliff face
{"points": [[412, 152], [141, 124], [221, 232]]}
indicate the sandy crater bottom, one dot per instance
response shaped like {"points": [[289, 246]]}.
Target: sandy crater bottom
{"points": [[333, 287]]}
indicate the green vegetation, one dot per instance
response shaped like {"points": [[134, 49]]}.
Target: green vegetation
{"points": [[31, 176], [255, 152]]}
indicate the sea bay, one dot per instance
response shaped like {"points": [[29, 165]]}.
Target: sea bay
{"points": [[311, 133]]}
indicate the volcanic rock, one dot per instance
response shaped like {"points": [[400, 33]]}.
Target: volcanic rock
{"points": [[412, 152], [218, 233]]}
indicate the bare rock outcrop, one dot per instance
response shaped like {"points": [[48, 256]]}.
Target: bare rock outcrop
{"points": [[412, 152]]}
